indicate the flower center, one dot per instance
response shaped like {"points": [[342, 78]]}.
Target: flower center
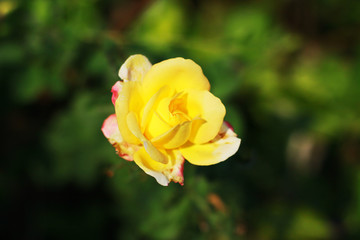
{"points": [[178, 108]]}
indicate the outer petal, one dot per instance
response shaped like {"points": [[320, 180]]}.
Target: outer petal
{"points": [[115, 90], [205, 105], [163, 173], [224, 146], [111, 131], [128, 100], [134, 68], [130, 97], [178, 73]]}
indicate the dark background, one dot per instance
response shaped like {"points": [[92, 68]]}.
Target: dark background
{"points": [[288, 72]]}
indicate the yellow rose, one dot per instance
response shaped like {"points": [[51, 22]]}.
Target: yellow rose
{"points": [[165, 113]]}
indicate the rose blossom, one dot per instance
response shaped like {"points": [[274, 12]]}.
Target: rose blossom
{"points": [[165, 113]]}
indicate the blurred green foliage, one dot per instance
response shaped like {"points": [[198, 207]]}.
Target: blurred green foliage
{"points": [[287, 71]]}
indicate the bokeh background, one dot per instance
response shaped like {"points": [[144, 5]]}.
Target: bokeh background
{"points": [[287, 70]]}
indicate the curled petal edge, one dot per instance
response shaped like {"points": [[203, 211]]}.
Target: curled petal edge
{"points": [[223, 146], [134, 68], [163, 173]]}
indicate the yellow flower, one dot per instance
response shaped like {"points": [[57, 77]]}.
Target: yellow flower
{"points": [[165, 113]]}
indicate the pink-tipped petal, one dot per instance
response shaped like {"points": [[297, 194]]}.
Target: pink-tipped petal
{"points": [[111, 131], [110, 127], [177, 173], [163, 173], [115, 91], [228, 125]]}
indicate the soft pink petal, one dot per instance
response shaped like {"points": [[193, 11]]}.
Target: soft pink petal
{"points": [[111, 131], [115, 91], [110, 127]]}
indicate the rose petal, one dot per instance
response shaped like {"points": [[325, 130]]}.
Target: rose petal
{"points": [[123, 105], [150, 106], [180, 73], [224, 146], [150, 148], [115, 91], [205, 105], [163, 173], [110, 129], [111, 132], [134, 68], [130, 99], [175, 137]]}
